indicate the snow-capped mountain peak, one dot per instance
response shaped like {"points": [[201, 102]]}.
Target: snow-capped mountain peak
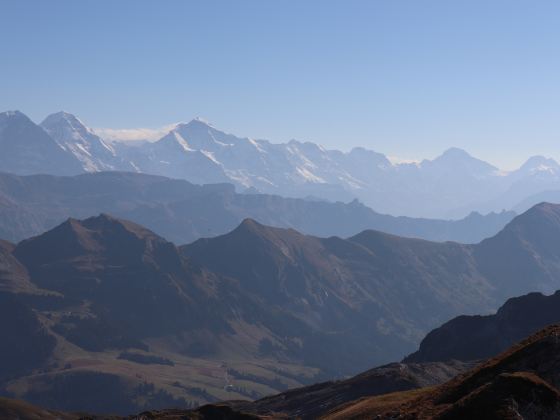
{"points": [[446, 186], [75, 137]]}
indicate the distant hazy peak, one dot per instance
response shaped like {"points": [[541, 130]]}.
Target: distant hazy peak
{"points": [[455, 158], [539, 163], [456, 152]]}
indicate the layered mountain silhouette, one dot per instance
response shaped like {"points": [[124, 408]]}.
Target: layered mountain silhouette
{"points": [[122, 314], [451, 185], [183, 212]]}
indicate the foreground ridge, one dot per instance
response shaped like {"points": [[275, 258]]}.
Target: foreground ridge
{"points": [[522, 381]]}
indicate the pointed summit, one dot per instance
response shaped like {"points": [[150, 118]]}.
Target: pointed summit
{"points": [[63, 117], [455, 153], [198, 121], [250, 225], [201, 135], [460, 163], [196, 124], [78, 139]]}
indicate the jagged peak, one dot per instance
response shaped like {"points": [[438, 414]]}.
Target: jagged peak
{"points": [[66, 119]]}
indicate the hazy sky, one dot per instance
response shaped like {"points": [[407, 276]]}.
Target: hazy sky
{"points": [[406, 78]]}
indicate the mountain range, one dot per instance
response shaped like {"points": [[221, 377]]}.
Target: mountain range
{"points": [[183, 212], [123, 320], [451, 185]]}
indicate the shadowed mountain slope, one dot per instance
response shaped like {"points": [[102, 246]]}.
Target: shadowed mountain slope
{"points": [[136, 279], [245, 314], [328, 281], [480, 337]]}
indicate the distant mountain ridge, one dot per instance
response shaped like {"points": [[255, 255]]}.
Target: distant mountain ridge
{"points": [[183, 212], [451, 185]]}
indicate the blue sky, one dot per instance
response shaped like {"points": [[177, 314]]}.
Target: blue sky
{"points": [[406, 78]]}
